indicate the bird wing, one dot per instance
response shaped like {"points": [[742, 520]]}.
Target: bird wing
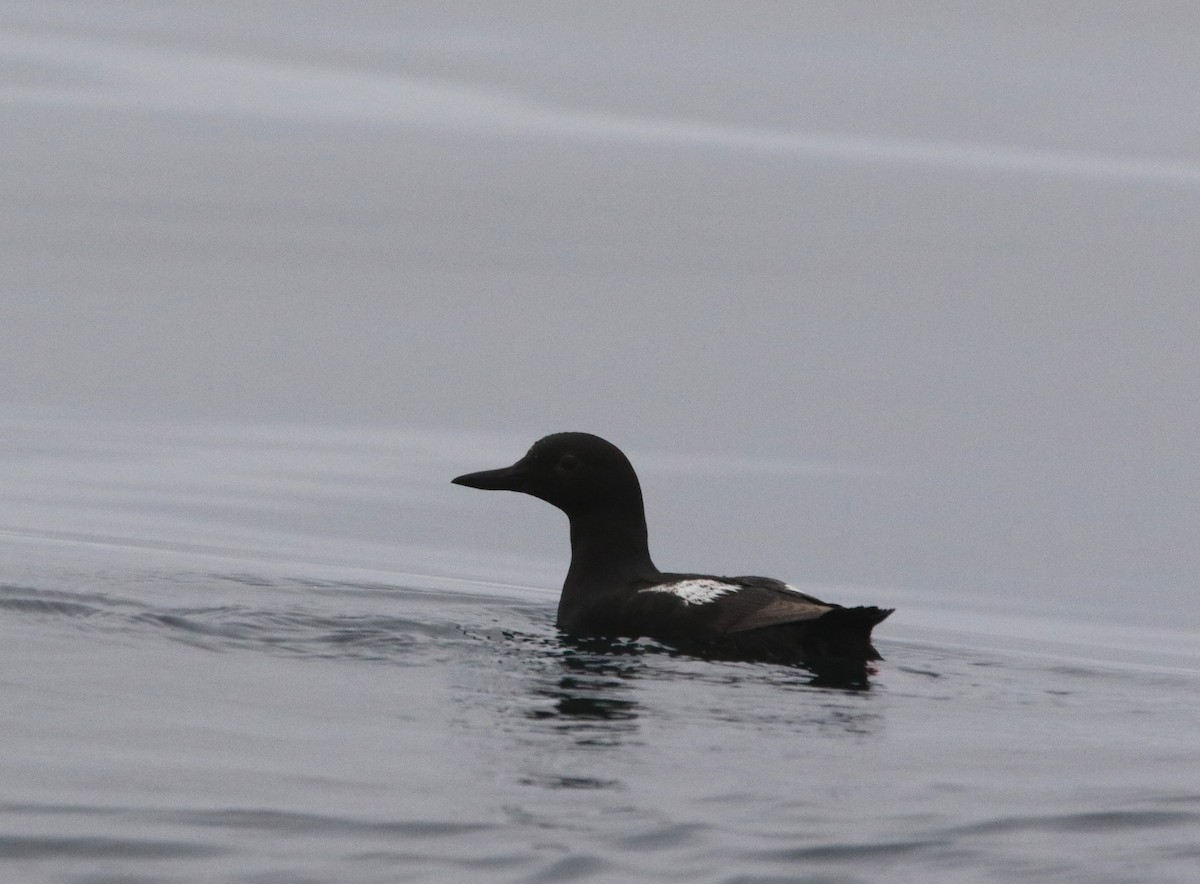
{"points": [[761, 601]]}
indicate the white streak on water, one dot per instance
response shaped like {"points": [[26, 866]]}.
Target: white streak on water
{"points": [[695, 592], [98, 74]]}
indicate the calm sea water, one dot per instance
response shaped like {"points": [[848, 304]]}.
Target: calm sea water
{"points": [[895, 302], [217, 665]]}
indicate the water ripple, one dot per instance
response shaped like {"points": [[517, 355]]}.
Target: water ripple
{"points": [[1088, 823], [94, 847], [301, 630], [284, 821]]}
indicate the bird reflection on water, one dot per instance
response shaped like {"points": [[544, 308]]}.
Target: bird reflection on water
{"points": [[591, 691], [592, 686], [562, 715]]}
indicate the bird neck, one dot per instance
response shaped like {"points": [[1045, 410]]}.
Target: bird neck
{"points": [[609, 546]]}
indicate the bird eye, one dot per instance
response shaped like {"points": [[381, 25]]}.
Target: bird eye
{"points": [[568, 463]]}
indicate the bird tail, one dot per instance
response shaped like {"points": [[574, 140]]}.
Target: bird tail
{"points": [[846, 632]]}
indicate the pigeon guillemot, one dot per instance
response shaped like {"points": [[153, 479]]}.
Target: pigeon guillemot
{"points": [[613, 588]]}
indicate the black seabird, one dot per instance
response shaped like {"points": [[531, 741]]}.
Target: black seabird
{"points": [[613, 589]]}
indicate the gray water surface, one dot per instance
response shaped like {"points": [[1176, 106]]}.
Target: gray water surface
{"points": [[212, 677], [895, 302]]}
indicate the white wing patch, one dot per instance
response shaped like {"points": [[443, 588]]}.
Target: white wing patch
{"points": [[696, 592]]}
